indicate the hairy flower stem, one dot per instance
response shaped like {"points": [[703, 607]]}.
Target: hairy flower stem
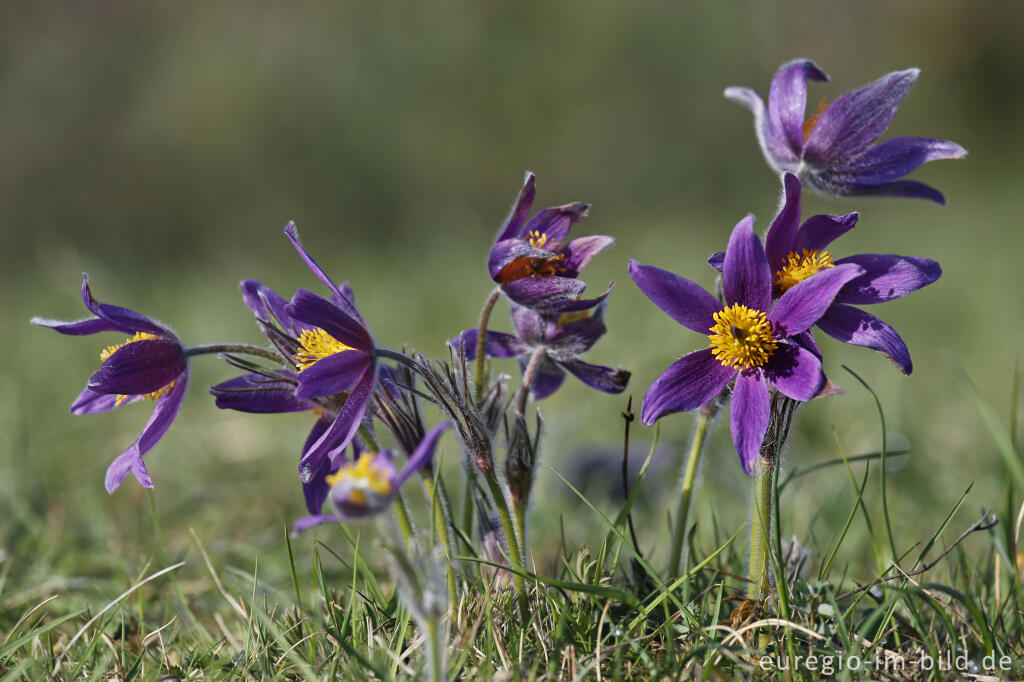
{"points": [[515, 555], [481, 341], [686, 494], [528, 374], [760, 524], [439, 503], [243, 348]]}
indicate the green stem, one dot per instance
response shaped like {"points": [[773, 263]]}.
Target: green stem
{"points": [[481, 340], [437, 502], [501, 504], [781, 586], [403, 517], [760, 523], [243, 348], [436, 651], [686, 495], [467, 502]]}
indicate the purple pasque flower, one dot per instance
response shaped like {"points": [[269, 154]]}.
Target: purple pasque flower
{"points": [[335, 356], [151, 364], [796, 252], [366, 485], [748, 338], [561, 339], [833, 150], [531, 262]]}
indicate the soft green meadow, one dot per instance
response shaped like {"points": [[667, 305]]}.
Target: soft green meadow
{"points": [[162, 151]]}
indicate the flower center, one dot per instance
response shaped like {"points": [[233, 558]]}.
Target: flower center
{"points": [[139, 336], [538, 240], [317, 345], [360, 478], [813, 119], [742, 337], [800, 266]]}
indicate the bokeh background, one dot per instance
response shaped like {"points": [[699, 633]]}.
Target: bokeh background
{"points": [[161, 147]]}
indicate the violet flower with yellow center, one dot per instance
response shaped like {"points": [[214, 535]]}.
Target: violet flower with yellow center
{"points": [[366, 485], [748, 338], [797, 252], [336, 355], [833, 150], [533, 263], [151, 364]]}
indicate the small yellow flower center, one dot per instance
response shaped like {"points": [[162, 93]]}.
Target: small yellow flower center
{"points": [[317, 345], [742, 337], [139, 336], [813, 119], [362, 475], [800, 266]]}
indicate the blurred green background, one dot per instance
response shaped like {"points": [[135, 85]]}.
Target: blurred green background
{"points": [[162, 147]]}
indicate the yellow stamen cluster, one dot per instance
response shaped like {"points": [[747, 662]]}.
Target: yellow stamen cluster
{"points": [[317, 345], [363, 475], [139, 336], [742, 337], [800, 266], [539, 240]]}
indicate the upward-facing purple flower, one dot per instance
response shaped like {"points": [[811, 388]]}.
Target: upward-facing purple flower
{"points": [[336, 356], [833, 150], [150, 364], [796, 252], [747, 338], [562, 338], [532, 262]]}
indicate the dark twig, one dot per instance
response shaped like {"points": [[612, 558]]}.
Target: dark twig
{"points": [[628, 417]]}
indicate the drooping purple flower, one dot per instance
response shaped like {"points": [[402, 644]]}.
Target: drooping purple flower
{"points": [[748, 338], [796, 252], [367, 484], [833, 150], [561, 339], [336, 356], [532, 262], [151, 364]]}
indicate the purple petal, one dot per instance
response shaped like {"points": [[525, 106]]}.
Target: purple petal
{"points": [[159, 421], [773, 143], [687, 303], [717, 260], [894, 159], [578, 304], [806, 341], [307, 307], [140, 367], [423, 453], [91, 402], [852, 325], [578, 252], [687, 384], [746, 276], [259, 394], [307, 522], [124, 319], [78, 328], [856, 119], [333, 374], [819, 231], [267, 304], [496, 344], [905, 189], [787, 99], [887, 277], [341, 431], [547, 380], [800, 307], [602, 378], [556, 221], [575, 338], [545, 294], [530, 325], [520, 209], [778, 243], [316, 488], [749, 416], [795, 372], [293, 235]]}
